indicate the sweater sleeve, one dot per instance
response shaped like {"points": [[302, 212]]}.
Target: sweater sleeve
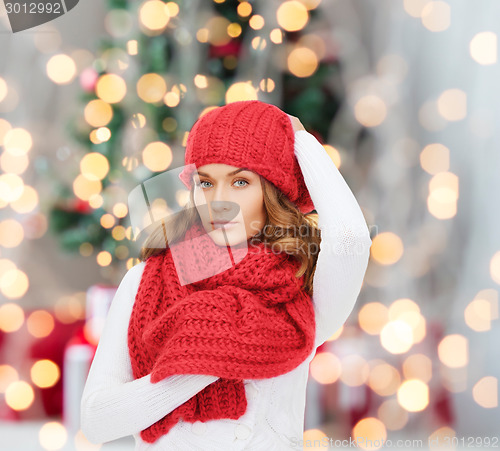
{"points": [[345, 239], [113, 403]]}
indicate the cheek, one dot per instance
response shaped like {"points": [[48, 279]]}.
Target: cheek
{"points": [[253, 207], [198, 197]]}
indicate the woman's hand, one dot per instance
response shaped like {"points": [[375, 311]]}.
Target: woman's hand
{"points": [[297, 125]]}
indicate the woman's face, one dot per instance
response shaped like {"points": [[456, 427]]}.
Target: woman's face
{"points": [[228, 193]]}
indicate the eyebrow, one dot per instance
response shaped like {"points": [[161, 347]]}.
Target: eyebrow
{"points": [[231, 173]]}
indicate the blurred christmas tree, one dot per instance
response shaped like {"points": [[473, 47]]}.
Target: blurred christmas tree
{"points": [[162, 66]]}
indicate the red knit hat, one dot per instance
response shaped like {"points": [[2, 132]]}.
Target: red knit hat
{"points": [[251, 134]]}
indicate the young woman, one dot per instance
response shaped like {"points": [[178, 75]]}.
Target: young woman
{"points": [[208, 340]]}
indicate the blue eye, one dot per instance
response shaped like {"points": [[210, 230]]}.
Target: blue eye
{"points": [[200, 182], [205, 181]]}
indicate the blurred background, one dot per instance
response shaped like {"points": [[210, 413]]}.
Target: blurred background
{"points": [[404, 97]]}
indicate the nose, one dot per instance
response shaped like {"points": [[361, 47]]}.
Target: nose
{"points": [[221, 203]]}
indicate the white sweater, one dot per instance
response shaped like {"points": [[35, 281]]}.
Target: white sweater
{"points": [[115, 405]]}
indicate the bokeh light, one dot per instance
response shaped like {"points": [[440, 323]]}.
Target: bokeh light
{"points": [[14, 283], [435, 158], [17, 141], [11, 317], [100, 135], [94, 166], [396, 337], [151, 88], [483, 48], [40, 323], [276, 36], [453, 351], [478, 315], [11, 234], [256, 22], [370, 110], [443, 195], [244, 9], [11, 187], [241, 91], [154, 15], [258, 43], [302, 62], [452, 104], [61, 69], [267, 85], [27, 202], [85, 188], [104, 258], [372, 317], [370, 433], [292, 15], [15, 164], [415, 7], [436, 15], [45, 373], [173, 8], [157, 156], [495, 267], [413, 395], [120, 210], [111, 88], [19, 395], [325, 368], [107, 220], [53, 436], [98, 113], [386, 248], [485, 392]]}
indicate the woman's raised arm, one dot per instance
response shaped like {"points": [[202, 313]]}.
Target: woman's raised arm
{"points": [[345, 238], [114, 404]]}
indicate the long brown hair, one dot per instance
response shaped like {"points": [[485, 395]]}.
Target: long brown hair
{"points": [[286, 229]]}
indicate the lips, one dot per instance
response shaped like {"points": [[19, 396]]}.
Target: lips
{"points": [[223, 223]]}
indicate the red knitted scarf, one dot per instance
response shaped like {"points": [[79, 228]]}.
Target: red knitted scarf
{"points": [[251, 320]]}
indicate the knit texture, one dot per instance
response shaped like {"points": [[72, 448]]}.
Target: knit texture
{"points": [[252, 320], [251, 134]]}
